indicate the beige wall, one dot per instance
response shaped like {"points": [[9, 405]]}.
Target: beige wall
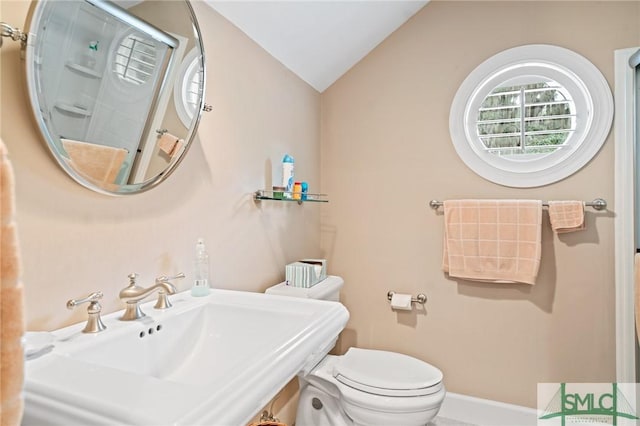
{"points": [[74, 241], [386, 151]]}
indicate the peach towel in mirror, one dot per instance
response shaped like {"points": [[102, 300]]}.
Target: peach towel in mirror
{"points": [[493, 240], [170, 144], [566, 216], [11, 303], [100, 163]]}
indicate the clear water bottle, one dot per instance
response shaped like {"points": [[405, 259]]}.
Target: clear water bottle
{"points": [[201, 271], [287, 175]]}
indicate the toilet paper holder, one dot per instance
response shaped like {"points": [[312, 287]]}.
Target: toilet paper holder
{"points": [[420, 298]]}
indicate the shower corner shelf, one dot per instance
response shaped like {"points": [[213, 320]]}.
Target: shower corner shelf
{"points": [[72, 109], [88, 72], [268, 195]]}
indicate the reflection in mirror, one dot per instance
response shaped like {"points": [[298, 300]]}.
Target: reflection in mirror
{"points": [[102, 77], [185, 94]]}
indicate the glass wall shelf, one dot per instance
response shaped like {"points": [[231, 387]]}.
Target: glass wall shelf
{"points": [[270, 195]]}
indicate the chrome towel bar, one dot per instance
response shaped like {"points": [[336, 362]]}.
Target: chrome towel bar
{"points": [[597, 204]]}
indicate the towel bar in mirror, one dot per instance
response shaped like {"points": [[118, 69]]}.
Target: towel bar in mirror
{"points": [[103, 77]]}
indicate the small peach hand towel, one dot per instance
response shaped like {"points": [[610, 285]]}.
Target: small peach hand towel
{"points": [[170, 144], [566, 216], [493, 240]]}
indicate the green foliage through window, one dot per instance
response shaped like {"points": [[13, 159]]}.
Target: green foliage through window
{"points": [[526, 119]]}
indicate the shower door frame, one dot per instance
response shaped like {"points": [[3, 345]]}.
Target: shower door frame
{"points": [[625, 125]]}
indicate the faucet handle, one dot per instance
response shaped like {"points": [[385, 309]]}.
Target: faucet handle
{"points": [[132, 279], [163, 300], [94, 323], [165, 279], [92, 298]]}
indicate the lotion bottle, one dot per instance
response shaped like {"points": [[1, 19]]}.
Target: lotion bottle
{"points": [[201, 271], [287, 175]]}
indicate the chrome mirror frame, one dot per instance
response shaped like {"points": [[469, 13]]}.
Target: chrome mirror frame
{"points": [[34, 87]]}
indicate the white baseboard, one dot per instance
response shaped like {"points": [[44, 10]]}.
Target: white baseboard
{"points": [[484, 412]]}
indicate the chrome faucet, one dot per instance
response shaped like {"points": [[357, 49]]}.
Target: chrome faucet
{"points": [[133, 294]]}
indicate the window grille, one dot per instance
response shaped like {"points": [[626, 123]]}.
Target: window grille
{"points": [[187, 92], [135, 59], [534, 118], [192, 88]]}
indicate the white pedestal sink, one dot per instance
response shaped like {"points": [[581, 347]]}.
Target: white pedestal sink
{"points": [[214, 360]]}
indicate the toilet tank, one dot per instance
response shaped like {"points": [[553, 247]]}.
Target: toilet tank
{"points": [[327, 289]]}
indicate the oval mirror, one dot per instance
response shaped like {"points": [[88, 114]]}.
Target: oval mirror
{"points": [[101, 78]]}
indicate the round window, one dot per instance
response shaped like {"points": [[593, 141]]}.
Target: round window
{"points": [[135, 59], [188, 87], [531, 115]]}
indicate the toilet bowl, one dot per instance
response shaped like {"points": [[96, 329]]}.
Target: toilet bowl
{"points": [[370, 387], [364, 386]]}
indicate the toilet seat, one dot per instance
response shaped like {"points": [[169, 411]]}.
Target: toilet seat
{"points": [[387, 373]]}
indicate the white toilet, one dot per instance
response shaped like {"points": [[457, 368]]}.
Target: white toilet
{"points": [[364, 386]]}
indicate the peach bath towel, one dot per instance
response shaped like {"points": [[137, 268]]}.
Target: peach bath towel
{"points": [[493, 240], [11, 303], [566, 216], [100, 163]]}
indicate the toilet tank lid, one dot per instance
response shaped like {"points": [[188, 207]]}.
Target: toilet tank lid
{"points": [[386, 370], [321, 291]]}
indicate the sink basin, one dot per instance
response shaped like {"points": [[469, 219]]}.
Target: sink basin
{"points": [[213, 360]]}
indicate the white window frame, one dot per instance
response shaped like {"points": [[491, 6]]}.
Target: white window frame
{"points": [[190, 67], [587, 86]]}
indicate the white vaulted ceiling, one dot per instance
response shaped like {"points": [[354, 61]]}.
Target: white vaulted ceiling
{"points": [[318, 40]]}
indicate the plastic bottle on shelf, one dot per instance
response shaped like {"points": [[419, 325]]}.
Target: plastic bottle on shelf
{"points": [[297, 191], [201, 271], [287, 175]]}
